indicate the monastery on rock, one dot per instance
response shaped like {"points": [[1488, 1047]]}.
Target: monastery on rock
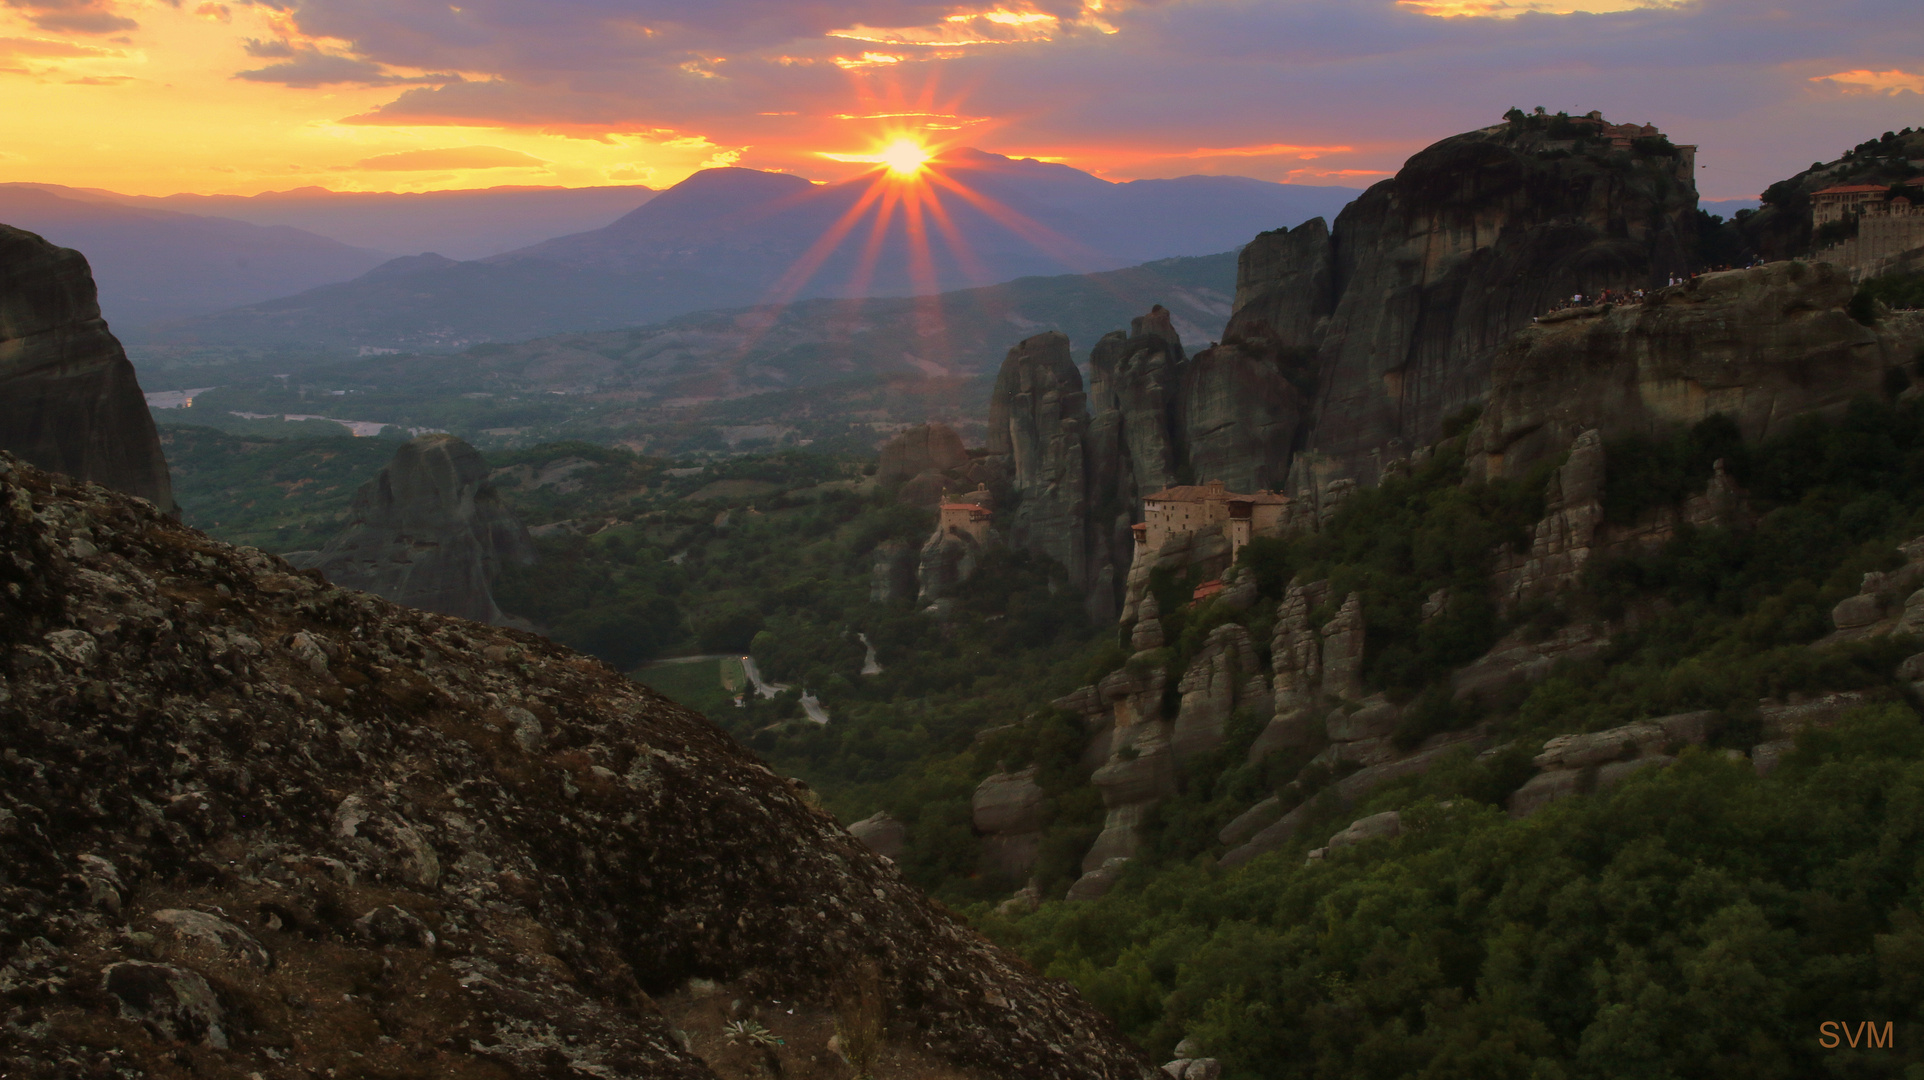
{"points": [[1194, 508]]}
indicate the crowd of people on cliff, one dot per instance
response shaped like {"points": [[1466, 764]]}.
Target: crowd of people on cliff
{"points": [[1636, 296]]}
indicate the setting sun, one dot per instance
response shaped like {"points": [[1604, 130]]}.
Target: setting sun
{"points": [[904, 157]]}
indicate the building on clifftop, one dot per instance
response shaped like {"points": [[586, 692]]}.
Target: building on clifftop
{"points": [[1194, 508]]}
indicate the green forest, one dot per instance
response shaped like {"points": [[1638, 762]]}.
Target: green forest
{"points": [[1698, 920]]}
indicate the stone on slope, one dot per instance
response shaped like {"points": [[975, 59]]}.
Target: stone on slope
{"points": [[430, 532], [69, 401]]}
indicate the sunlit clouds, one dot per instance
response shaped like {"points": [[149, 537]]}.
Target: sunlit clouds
{"points": [[1875, 82], [155, 96]]}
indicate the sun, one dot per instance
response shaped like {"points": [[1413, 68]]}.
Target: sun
{"points": [[904, 157]]}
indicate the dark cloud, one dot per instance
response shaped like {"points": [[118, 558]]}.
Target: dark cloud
{"points": [[1733, 75], [73, 16]]}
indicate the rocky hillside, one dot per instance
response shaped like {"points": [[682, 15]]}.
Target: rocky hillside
{"points": [[68, 398], [259, 825]]}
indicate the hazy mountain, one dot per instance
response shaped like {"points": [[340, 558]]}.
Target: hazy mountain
{"points": [[155, 265], [459, 224], [733, 237]]}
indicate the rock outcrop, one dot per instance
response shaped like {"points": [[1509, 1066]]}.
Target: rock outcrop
{"points": [[1761, 346], [1472, 238], [69, 400], [463, 851], [1038, 424], [1010, 811], [919, 462], [429, 531], [1223, 676], [882, 833]]}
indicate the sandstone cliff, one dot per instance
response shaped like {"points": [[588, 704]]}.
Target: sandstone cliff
{"points": [[1761, 346], [259, 825], [68, 398], [429, 531]]}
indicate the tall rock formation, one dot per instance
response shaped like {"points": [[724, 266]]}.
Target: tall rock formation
{"points": [[1350, 348], [430, 532], [1761, 346], [68, 397], [259, 825], [1474, 237], [1038, 425]]}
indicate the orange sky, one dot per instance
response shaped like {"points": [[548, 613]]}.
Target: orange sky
{"points": [[148, 96]]}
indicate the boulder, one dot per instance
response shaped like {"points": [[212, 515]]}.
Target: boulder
{"points": [[69, 400], [882, 833], [1007, 803], [1095, 884], [1616, 744], [1545, 788], [1786, 720], [430, 532], [222, 936], [1384, 826], [173, 1003], [920, 449], [1375, 719], [1010, 810]]}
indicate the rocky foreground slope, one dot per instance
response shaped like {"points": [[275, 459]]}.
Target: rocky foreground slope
{"points": [[257, 825], [68, 397]]}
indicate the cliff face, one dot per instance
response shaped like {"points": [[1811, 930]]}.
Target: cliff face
{"points": [[1350, 348], [1038, 426], [1437, 266], [256, 824], [68, 398], [430, 532], [1761, 346]]}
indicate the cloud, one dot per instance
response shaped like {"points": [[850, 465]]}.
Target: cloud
{"points": [[451, 157], [1128, 87], [1875, 82], [308, 68], [1506, 9], [73, 16]]}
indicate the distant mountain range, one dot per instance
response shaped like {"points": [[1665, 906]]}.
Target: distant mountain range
{"points": [[737, 237], [469, 224], [155, 265]]}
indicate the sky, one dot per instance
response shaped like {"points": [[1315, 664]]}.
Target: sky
{"points": [[242, 96]]}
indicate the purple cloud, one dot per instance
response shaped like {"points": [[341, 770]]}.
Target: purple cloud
{"points": [[1735, 76]]}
